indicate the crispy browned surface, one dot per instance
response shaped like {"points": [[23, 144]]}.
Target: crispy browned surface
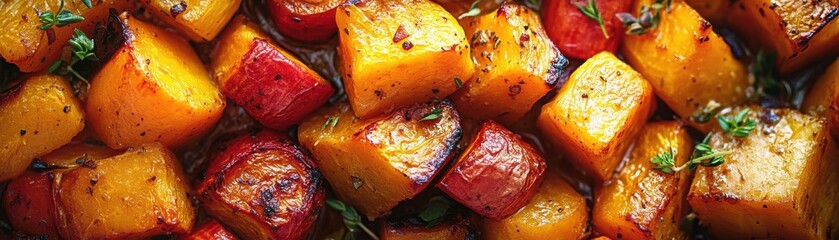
{"points": [[212, 230], [200, 20], [454, 225]]}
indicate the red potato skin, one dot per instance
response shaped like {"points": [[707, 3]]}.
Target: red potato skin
{"points": [[30, 205], [263, 187], [497, 174], [212, 230], [273, 89], [308, 22], [578, 36]]}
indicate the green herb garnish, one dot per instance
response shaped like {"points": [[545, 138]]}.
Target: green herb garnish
{"points": [[436, 208], [474, 10], [331, 122], [738, 126], [591, 11], [703, 155], [82, 50], [458, 82], [648, 19], [763, 69], [434, 114], [62, 18], [351, 218]]}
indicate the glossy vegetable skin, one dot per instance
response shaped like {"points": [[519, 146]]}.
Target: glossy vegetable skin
{"points": [[95, 202], [37, 116], [144, 94], [497, 173], [455, 225], [272, 85], [687, 64], [212, 230], [516, 64], [823, 97], [597, 114], [375, 163], [33, 49], [642, 202], [263, 187], [200, 20], [305, 20], [557, 211], [578, 36], [396, 53], [777, 183]]}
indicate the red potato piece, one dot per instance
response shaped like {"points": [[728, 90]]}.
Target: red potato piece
{"points": [[30, 206], [578, 36], [497, 174], [212, 230], [269, 83], [305, 20], [263, 187]]}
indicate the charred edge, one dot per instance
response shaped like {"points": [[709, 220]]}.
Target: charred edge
{"points": [[11, 93], [805, 39], [556, 68], [445, 155]]}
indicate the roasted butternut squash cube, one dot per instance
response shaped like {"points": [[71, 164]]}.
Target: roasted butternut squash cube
{"points": [[516, 65], [138, 194], [30, 199], [597, 114], [397, 53], [641, 202], [776, 183], [497, 173], [269, 83], [457, 225], [154, 89], [711, 10], [212, 230], [801, 33], [33, 49], [823, 97], [304, 20], [37, 116], [200, 20], [557, 211], [689, 66], [375, 163], [579, 36], [263, 187]]}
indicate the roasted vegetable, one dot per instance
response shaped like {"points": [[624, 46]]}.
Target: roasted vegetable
{"points": [[711, 10], [263, 187], [305, 20], [557, 211], [396, 53], [145, 94], [138, 194], [32, 49], [580, 36], [37, 116], [200, 20], [777, 183], [642, 202], [212, 230], [269, 83], [689, 66], [823, 97], [375, 163], [455, 225], [516, 65], [497, 173], [799, 32], [597, 114]]}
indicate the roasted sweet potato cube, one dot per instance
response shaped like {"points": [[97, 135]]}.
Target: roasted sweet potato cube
{"points": [[30, 199], [801, 33], [777, 182], [597, 114], [641, 202], [711, 10], [400, 52], [375, 163], [263, 187], [33, 49], [823, 97], [517, 65], [457, 225], [200, 20], [37, 116], [269, 83], [579, 36], [212, 230], [497, 173], [154, 89], [139, 194], [557, 211], [311, 21], [689, 66]]}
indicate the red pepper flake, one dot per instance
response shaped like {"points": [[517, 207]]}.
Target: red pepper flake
{"points": [[400, 34], [524, 37], [407, 45]]}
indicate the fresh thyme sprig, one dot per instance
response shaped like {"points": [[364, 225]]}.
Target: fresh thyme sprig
{"points": [[647, 20], [60, 18], [474, 10], [703, 155], [763, 69], [738, 126], [434, 114], [352, 220], [591, 11], [82, 50], [331, 122]]}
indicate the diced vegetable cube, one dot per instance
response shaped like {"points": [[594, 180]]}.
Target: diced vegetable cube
{"points": [[823, 97], [579, 36], [305, 20], [212, 230], [454, 225], [200, 20]]}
